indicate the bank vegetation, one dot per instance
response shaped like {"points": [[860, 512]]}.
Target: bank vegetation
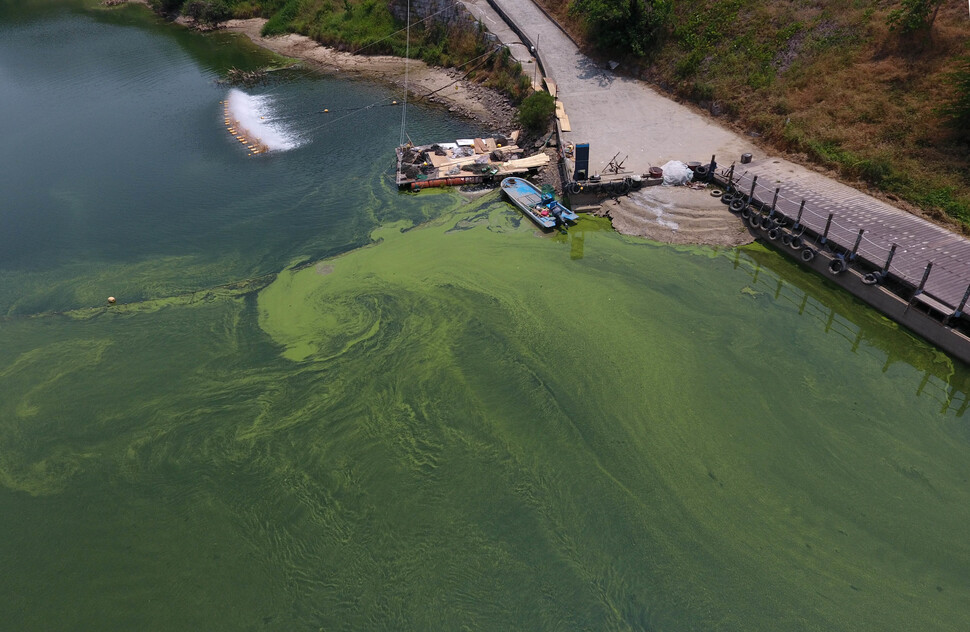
{"points": [[878, 92], [369, 27]]}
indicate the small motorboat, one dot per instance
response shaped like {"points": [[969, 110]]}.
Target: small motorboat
{"points": [[542, 206]]}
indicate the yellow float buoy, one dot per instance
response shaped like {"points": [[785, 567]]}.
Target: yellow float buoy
{"points": [[111, 300], [325, 110]]}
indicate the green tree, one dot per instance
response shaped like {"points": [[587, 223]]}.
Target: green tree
{"points": [[914, 16], [207, 11], [166, 7], [634, 26], [536, 110]]}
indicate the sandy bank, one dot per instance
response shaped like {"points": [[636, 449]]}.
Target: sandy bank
{"points": [[677, 215], [441, 86]]}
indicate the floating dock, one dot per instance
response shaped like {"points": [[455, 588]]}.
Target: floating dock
{"points": [[911, 270], [464, 161]]}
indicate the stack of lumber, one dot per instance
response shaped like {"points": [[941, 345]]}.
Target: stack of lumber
{"points": [[531, 162]]}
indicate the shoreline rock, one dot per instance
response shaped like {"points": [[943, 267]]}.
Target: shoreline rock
{"points": [[442, 87]]}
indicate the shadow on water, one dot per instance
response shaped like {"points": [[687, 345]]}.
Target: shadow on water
{"points": [[855, 327]]}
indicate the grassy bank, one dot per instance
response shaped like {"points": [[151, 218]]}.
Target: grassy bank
{"points": [[369, 27], [830, 83]]}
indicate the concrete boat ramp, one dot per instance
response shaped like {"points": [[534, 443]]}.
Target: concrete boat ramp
{"points": [[912, 270]]}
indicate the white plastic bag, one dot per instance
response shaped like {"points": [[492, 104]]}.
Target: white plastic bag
{"points": [[677, 173]]}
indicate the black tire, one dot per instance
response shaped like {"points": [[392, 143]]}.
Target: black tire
{"points": [[727, 198], [785, 239], [754, 221], [870, 278], [837, 265], [717, 193], [636, 184], [738, 206], [807, 255], [796, 242], [623, 188], [774, 234], [574, 188], [745, 213], [701, 173]]}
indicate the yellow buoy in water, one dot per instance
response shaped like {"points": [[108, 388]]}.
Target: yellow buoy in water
{"points": [[111, 300], [393, 102], [325, 110]]}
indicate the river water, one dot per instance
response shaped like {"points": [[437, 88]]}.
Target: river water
{"points": [[323, 404]]}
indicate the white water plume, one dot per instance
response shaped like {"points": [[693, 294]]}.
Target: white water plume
{"points": [[250, 119]]}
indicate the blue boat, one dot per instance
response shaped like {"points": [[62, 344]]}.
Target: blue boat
{"points": [[541, 206]]}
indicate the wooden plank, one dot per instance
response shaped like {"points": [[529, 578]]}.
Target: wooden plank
{"points": [[551, 87], [563, 119], [480, 146]]}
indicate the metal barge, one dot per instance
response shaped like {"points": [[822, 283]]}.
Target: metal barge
{"points": [[913, 271], [464, 161]]}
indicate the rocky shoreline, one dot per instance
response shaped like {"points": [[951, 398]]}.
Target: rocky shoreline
{"points": [[444, 87], [682, 217]]}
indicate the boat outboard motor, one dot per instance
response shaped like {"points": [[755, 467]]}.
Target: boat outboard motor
{"points": [[556, 211]]}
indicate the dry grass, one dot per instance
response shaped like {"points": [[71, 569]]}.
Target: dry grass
{"points": [[828, 83]]}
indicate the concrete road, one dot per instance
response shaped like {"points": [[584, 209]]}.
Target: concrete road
{"points": [[495, 25], [616, 114]]}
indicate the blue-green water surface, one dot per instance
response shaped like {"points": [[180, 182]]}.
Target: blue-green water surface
{"points": [[321, 404]]}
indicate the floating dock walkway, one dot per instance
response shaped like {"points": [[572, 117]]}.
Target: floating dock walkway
{"points": [[912, 270]]}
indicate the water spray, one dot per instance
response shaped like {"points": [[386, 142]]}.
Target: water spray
{"points": [[248, 118]]}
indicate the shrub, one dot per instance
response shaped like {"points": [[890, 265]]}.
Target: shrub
{"points": [[281, 21], [635, 26], [166, 7], [207, 11], [914, 15], [958, 109], [536, 110]]}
